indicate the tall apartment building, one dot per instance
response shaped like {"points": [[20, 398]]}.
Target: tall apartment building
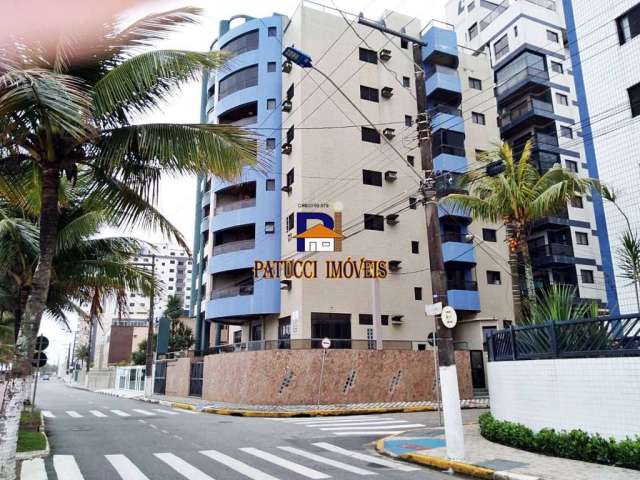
{"points": [[537, 98], [324, 158], [604, 40]]}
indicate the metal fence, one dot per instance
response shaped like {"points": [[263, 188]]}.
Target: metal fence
{"points": [[592, 337], [195, 379]]}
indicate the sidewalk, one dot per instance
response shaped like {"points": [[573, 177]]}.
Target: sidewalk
{"points": [[490, 460], [223, 408]]}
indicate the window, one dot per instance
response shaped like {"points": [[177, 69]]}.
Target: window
{"points": [[415, 246], [586, 276], [368, 93], [413, 203], [271, 66], [571, 165], [370, 135], [271, 103], [475, 83], [290, 177], [634, 99], [478, 118], [489, 235], [245, 78], [501, 47], [367, 319], [515, 31], [270, 185], [404, 43], [272, 31], [417, 293], [290, 222], [411, 160], [243, 43], [290, 91], [406, 82], [373, 222], [237, 336], [370, 177], [473, 31], [408, 121], [576, 202], [493, 278], [557, 67], [553, 36], [566, 132], [562, 99], [269, 227], [629, 25], [290, 134], [369, 56], [582, 238], [271, 143]]}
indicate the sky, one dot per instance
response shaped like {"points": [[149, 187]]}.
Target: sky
{"points": [[177, 194]]}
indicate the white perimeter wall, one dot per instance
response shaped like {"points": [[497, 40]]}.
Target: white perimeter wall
{"points": [[597, 395]]}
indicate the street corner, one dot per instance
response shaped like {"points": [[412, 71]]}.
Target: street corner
{"points": [[398, 446]]}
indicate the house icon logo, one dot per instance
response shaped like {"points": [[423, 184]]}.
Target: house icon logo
{"points": [[321, 237]]}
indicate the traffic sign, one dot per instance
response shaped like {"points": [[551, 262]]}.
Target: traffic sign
{"points": [[42, 343], [449, 317], [431, 339], [433, 309], [326, 343], [39, 359]]}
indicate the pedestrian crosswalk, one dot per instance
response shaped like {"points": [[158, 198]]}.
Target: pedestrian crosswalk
{"points": [[354, 425], [317, 461], [109, 413]]}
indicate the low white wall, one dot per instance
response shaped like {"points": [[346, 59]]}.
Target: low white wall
{"points": [[597, 395]]}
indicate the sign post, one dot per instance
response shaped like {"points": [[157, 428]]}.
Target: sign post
{"points": [[326, 343], [39, 360]]}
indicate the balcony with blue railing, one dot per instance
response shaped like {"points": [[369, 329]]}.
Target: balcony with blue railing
{"points": [[204, 225], [447, 118], [463, 295], [529, 79], [530, 112], [444, 85], [458, 247], [442, 45]]}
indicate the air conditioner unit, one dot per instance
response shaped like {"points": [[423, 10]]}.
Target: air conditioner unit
{"points": [[397, 319], [392, 218], [287, 148], [287, 188], [286, 67], [390, 175], [385, 54], [395, 265], [386, 92], [285, 284], [286, 106], [390, 133]]}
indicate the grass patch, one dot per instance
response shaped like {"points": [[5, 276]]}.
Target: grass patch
{"points": [[30, 421], [30, 441]]}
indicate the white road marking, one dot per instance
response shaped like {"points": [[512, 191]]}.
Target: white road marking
{"points": [[364, 457], [73, 413], [144, 412], [97, 413], [153, 426], [125, 468], [66, 467], [368, 432], [289, 465], [183, 468], [33, 470], [48, 414], [166, 432], [184, 410], [238, 466], [349, 418], [355, 424], [168, 412], [375, 427], [327, 461], [120, 413]]}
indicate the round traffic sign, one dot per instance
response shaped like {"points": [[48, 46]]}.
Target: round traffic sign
{"points": [[39, 359], [326, 343], [431, 339], [449, 317], [42, 343]]}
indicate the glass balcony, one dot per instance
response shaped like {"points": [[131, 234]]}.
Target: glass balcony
{"points": [[530, 112], [234, 291], [236, 205], [529, 79], [552, 254], [495, 13], [548, 4], [234, 246]]}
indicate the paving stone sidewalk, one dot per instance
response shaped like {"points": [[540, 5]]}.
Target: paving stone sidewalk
{"points": [[510, 461]]}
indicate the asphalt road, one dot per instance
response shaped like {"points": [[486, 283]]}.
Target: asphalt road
{"points": [[99, 437]]}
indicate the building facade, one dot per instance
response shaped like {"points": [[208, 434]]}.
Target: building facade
{"points": [[326, 161], [604, 40], [537, 96]]}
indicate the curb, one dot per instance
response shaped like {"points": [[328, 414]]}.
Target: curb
{"points": [[463, 468], [37, 453]]}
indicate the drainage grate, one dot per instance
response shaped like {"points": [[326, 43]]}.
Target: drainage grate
{"points": [[395, 381], [286, 381], [348, 384]]}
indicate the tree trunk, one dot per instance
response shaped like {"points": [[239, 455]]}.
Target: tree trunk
{"points": [[516, 288], [530, 289], [9, 420]]}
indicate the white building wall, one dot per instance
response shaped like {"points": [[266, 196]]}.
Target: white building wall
{"points": [[597, 395]]}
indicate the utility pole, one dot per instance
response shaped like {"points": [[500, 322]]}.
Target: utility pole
{"points": [[148, 378]]}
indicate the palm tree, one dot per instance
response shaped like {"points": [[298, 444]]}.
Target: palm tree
{"points": [[518, 197]]}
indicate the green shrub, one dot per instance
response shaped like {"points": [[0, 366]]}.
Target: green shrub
{"points": [[575, 444]]}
